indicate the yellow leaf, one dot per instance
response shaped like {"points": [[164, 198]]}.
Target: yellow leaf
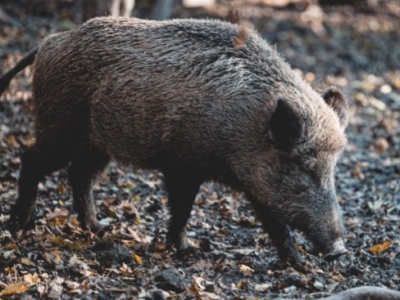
{"points": [[379, 248], [138, 259], [14, 288], [74, 221], [9, 270], [31, 279], [246, 270]]}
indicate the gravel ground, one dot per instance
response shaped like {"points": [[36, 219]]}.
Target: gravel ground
{"points": [[354, 47]]}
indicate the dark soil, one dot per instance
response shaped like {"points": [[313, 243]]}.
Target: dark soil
{"points": [[354, 47]]}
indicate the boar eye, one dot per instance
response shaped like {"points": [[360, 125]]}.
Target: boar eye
{"points": [[309, 159], [310, 153], [310, 163]]}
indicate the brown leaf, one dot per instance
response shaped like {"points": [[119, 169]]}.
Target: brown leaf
{"points": [[12, 141], [357, 172], [58, 214], [25, 261], [60, 189], [14, 288], [379, 248], [31, 279], [242, 284], [56, 241], [381, 145]]}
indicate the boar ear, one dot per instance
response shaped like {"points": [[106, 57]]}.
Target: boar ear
{"points": [[335, 99], [285, 126]]}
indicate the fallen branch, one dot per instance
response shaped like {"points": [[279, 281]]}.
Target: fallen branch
{"points": [[365, 292]]}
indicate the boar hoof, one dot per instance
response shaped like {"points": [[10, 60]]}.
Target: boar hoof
{"points": [[178, 241], [96, 228], [18, 222], [294, 259], [292, 256]]}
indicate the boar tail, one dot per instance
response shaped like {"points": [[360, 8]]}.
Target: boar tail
{"points": [[22, 64]]}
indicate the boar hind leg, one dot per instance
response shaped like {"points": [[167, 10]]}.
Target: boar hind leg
{"points": [[182, 190], [36, 162], [84, 168], [279, 234]]}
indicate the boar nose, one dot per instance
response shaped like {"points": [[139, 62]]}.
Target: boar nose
{"points": [[337, 249]]}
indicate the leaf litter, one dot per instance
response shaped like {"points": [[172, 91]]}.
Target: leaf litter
{"points": [[355, 48]]}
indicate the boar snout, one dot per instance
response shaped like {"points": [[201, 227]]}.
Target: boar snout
{"points": [[323, 225], [336, 250], [330, 237]]}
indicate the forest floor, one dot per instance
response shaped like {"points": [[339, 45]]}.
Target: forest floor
{"points": [[354, 47]]}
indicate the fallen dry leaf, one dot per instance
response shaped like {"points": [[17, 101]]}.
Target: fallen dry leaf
{"points": [[262, 287], [246, 270], [138, 259], [381, 145], [25, 261], [32, 279], [379, 248], [357, 171], [14, 288], [59, 215]]}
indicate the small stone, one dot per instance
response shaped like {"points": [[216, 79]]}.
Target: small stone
{"points": [[171, 279], [318, 285], [110, 253], [262, 287], [290, 289]]}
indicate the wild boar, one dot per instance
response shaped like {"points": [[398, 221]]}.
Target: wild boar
{"points": [[199, 100]]}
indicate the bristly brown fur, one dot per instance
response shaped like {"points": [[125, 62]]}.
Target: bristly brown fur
{"points": [[198, 99]]}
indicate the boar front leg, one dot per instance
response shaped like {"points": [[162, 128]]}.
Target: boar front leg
{"points": [[279, 234], [182, 190], [82, 172]]}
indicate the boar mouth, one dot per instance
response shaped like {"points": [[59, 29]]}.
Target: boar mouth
{"points": [[331, 251], [336, 250]]}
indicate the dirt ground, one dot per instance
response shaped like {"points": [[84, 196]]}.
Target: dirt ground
{"points": [[354, 47]]}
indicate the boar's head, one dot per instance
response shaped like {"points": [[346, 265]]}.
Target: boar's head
{"points": [[300, 189]]}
